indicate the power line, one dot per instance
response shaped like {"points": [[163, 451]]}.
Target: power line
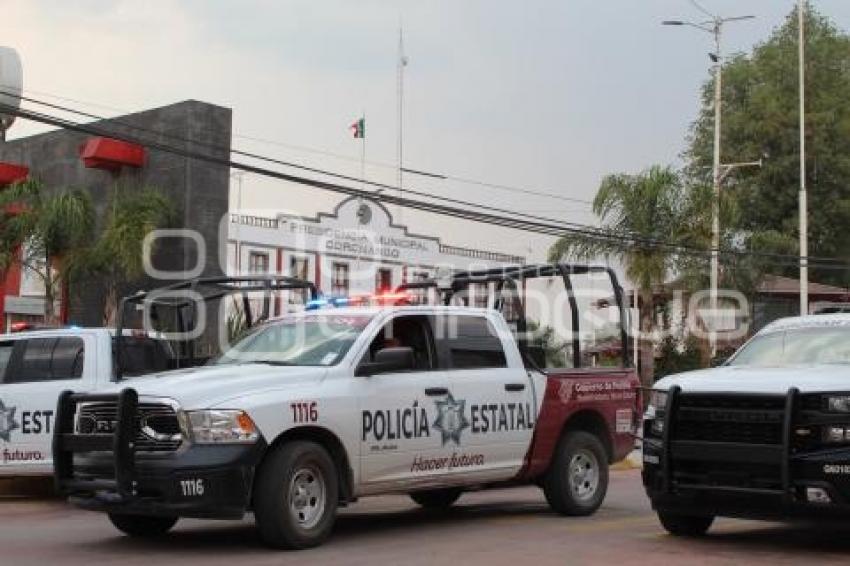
{"points": [[420, 172], [381, 186], [541, 225]]}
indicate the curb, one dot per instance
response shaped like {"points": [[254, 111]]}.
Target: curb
{"points": [[634, 461]]}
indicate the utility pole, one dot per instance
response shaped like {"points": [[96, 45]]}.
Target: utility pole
{"points": [[238, 175], [804, 221], [713, 26], [715, 201]]}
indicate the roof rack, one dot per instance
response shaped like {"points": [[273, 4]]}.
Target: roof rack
{"points": [[459, 281], [182, 297]]}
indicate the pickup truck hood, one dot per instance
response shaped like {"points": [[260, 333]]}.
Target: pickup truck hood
{"points": [[209, 386], [768, 380]]}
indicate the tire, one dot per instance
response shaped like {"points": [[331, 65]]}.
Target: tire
{"points": [[685, 525], [577, 480], [436, 498], [142, 526], [296, 494]]}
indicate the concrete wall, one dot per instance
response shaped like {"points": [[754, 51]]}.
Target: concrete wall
{"points": [[198, 189]]}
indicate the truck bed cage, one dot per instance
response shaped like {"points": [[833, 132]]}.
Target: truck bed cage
{"points": [[183, 296], [459, 282]]}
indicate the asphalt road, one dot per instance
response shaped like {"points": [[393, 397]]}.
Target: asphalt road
{"points": [[511, 526]]}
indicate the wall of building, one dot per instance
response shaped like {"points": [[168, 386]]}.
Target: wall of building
{"points": [[198, 189]]}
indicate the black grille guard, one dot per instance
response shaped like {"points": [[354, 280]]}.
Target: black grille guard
{"points": [[667, 462], [120, 442]]}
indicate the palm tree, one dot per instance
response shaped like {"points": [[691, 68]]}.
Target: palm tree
{"points": [[117, 255], [636, 213], [43, 234]]}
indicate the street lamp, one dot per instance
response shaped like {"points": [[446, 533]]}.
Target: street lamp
{"points": [[713, 26]]}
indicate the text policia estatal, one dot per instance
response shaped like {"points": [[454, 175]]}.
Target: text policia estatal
{"points": [[412, 421]]}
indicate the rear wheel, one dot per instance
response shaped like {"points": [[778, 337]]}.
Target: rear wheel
{"points": [[142, 526], [296, 496], [685, 525], [436, 498], [577, 480]]}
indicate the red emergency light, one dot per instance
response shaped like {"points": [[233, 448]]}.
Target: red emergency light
{"points": [[12, 173], [111, 154]]}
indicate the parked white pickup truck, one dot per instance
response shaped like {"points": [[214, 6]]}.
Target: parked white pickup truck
{"points": [[36, 366], [764, 436], [316, 409]]}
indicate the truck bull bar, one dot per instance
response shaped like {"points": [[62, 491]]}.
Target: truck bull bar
{"points": [[120, 442], [783, 452]]}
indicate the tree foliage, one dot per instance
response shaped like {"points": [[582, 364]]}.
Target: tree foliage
{"points": [[57, 229], [643, 218], [761, 119], [45, 234]]}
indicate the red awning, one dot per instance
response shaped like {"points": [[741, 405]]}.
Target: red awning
{"points": [[12, 173], [110, 154]]}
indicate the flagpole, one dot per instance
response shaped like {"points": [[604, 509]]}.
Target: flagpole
{"points": [[363, 155], [402, 63]]}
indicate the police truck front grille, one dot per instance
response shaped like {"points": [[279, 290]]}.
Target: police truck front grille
{"points": [[729, 418], [157, 426]]}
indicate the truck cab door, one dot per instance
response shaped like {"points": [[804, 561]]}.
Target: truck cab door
{"points": [[488, 382], [399, 447], [33, 371]]}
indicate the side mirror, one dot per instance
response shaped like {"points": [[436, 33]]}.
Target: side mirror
{"points": [[388, 360], [718, 361]]}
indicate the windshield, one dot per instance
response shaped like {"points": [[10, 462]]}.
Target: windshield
{"points": [[796, 346], [298, 341]]}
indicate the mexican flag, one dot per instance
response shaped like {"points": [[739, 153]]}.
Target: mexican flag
{"points": [[359, 128]]}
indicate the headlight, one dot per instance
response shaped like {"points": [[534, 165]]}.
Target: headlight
{"points": [[222, 426], [657, 400], [836, 434], [655, 411], [838, 403]]}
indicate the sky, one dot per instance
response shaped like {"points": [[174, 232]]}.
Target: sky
{"points": [[547, 95]]}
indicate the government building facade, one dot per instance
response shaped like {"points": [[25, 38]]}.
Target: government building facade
{"points": [[356, 249]]}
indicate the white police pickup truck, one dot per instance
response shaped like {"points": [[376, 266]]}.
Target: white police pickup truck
{"points": [[36, 366], [765, 436], [316, 409]]}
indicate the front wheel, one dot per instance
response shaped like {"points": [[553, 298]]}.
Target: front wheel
{"points": [[685, 525], [142, 526], [577, 480], [296, 496], [436, 498]]}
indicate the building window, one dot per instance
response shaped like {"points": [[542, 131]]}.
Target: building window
{"points": [[298, 269], [258, 262], [383, 280], [339, 279]]}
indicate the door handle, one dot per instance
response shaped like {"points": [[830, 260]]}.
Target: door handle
{"points": [[436, 391], [514, 386]]}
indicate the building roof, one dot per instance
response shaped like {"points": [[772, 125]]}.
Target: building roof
{"points": [[770, 285], [779, 285]]}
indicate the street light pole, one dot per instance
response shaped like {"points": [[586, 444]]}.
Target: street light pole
{"points": [[715, 201], [804, 221], [714, 27]]}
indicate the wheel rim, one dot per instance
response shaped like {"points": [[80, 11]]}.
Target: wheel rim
{"points": [[307, 495], [583, 475]]}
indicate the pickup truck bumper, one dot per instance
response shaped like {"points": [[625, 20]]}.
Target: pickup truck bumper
{"points": [[820, 489], [713, 475], [212, 482], [104, 472]]}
